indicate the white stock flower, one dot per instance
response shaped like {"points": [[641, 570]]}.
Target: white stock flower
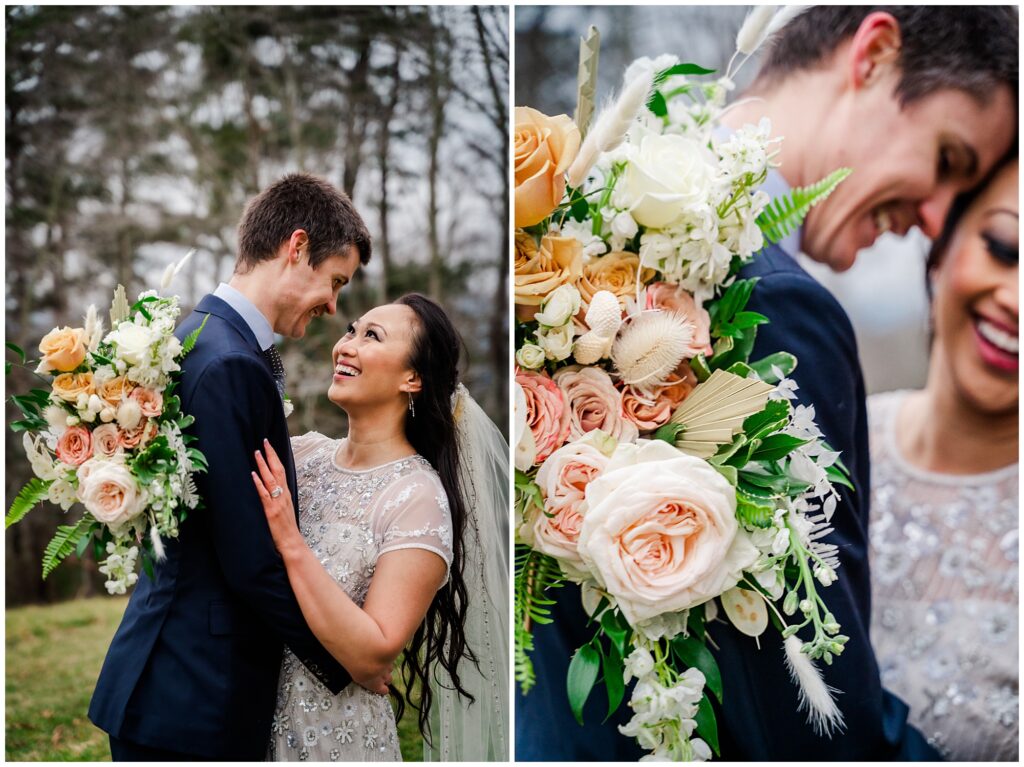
{"points": [[62, 493], [623, 228], [556, 342], [638, 664], [559, 307], [530, 356], [593, 245], [665, 176]]}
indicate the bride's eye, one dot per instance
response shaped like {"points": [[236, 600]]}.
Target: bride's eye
{"points": [[1001, 251], [373, 334], [351, 329]]}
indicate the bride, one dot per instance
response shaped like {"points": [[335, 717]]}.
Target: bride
{"points": [[400, 550]]}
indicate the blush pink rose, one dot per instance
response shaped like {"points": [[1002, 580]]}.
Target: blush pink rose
{"points": [[109, 492], [651, 409], [547, 412], [563, 479], [150, 402], [106, 439], [594, 403], [75, 446], [660, 533], [662, 295]]}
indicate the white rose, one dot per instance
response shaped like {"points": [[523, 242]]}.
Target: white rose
{"points": [[624, 226], [556, 342], [666, 175], [526, 447], [660, 532], [133, 342], [530, 356], [109, 491], [559, 307]]}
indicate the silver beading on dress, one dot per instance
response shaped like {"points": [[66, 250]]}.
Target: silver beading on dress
{"points": [[944, 576]]}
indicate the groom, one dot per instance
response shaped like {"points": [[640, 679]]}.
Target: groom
{"points": [[192, 671], [920, 102]]}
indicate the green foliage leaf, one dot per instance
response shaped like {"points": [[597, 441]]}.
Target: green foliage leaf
{"points": [[729, 472], [784, 361], [190, 340], [64, 543], [776, 447], [774, 417], [681, 69], [836, 476], [707, 726], [693, 653], [771, 484], [656, 103], [616, 629], [785, 214], [34, 491], [753, 512], [611, 663], [670, 432], [583, 669], [18, 351], [695, 622], [699, 366]]}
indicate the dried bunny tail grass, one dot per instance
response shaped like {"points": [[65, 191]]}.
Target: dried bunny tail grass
{"points": [[815, 696], [754, 30], [610, 127], [650, 346]]}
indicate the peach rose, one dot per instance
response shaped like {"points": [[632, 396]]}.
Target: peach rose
{"points": [[68, 386], [75, 446], [63, 349], [151, 402], [651, 409], [109, 491], [140, 435], [539, 271], [563, 478], [660, 532], [106, 439], [544, 148], [662, 295], [115, 390], [594, 403], [614, 272], [547, 412]]}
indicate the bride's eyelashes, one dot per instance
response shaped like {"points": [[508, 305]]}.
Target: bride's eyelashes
{"points": [[368, 333], [1003, 252]]}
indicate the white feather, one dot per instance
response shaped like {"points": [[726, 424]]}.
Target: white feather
{"points": [[755, 29], [815, 696], [785, 15], [158, 545], [610, 127]]}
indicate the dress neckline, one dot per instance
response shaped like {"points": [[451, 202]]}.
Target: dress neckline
{"points": [[334, 461], [893, 406]]}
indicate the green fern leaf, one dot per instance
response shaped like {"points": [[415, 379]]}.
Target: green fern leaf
{"points": [[190, 340], [535, 574], [65, 542], [785, 214], [34, 491]]}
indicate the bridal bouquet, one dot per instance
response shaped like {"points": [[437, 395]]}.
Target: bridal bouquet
{"points": [[107, 432], [657, 465]]}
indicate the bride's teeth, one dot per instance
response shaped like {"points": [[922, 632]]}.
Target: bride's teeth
{"points": [[345, 370], [998, 337], [883, 221]]}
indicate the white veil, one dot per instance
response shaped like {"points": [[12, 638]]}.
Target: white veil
{"points": [[477, 732]]}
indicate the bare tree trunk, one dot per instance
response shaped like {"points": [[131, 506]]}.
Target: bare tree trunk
{"points": [[383, 159], [438, 85], [355, 122]]}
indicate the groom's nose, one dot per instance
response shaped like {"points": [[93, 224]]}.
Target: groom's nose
{"points": [[932, 211]]}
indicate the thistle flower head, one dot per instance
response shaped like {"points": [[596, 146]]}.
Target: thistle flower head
{"points": [[650, 346]]}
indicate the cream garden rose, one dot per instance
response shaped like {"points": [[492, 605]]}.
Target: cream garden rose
{"points": [[109, 492], [594, 403], [544, 149], [556, 342], [666, 175], [133, 342], [63, 350], [530, 356], [559, 307], [660, 532]]}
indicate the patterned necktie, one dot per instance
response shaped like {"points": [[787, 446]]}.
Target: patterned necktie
{"points": [[276, 366]]}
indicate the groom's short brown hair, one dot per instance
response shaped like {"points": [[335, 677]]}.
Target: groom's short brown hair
{"points": [[972, 49], [300, 201]]}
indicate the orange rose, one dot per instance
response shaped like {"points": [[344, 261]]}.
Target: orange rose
{"points": [[652, 409], [538, 271], [68, 386], [544, 148], [75, 446], [115, 390], [150, 402], [140, 435], [614, 272], [63, 349]]}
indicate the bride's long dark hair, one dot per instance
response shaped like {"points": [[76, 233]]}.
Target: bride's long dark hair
{"points": [[441, 638]]}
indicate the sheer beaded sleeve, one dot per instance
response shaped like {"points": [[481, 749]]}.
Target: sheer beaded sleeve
{"points": [[304, 445], [414, 514]]}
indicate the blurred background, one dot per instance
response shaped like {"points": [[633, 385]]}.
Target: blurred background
{"points": [[134, 134], [884, 293]]}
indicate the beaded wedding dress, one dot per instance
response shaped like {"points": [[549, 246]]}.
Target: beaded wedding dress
{"points": [[349, 518], [944, 577]]}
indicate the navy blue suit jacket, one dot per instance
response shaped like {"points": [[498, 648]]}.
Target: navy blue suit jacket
{"points": [[760, 720], [194, 665]]}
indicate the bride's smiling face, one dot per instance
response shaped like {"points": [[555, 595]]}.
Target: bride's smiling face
{"points": [[371, 361], [976, 299]]}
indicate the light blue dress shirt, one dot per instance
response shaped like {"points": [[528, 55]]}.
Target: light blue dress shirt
{"points": [[258, 324]]}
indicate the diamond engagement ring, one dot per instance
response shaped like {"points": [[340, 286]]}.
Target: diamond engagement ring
{"points": [[276, 492]]}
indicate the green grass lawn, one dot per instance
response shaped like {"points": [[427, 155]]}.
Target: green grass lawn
{"points": [[54, 654]]}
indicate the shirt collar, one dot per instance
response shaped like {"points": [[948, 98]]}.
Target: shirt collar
{"points": [[258, 324]]}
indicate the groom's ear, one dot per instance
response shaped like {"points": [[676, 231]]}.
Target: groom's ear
{"points": [[875, 48], [298, 246]]}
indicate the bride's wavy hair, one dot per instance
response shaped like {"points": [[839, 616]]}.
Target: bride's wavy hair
{"points": [[441, 638]]}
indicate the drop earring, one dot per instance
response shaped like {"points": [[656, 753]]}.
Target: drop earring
{"points": [[412, 408]]}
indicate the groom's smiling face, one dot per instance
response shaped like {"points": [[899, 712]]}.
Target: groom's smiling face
{"points": [[909, 162], [307, 292]]}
